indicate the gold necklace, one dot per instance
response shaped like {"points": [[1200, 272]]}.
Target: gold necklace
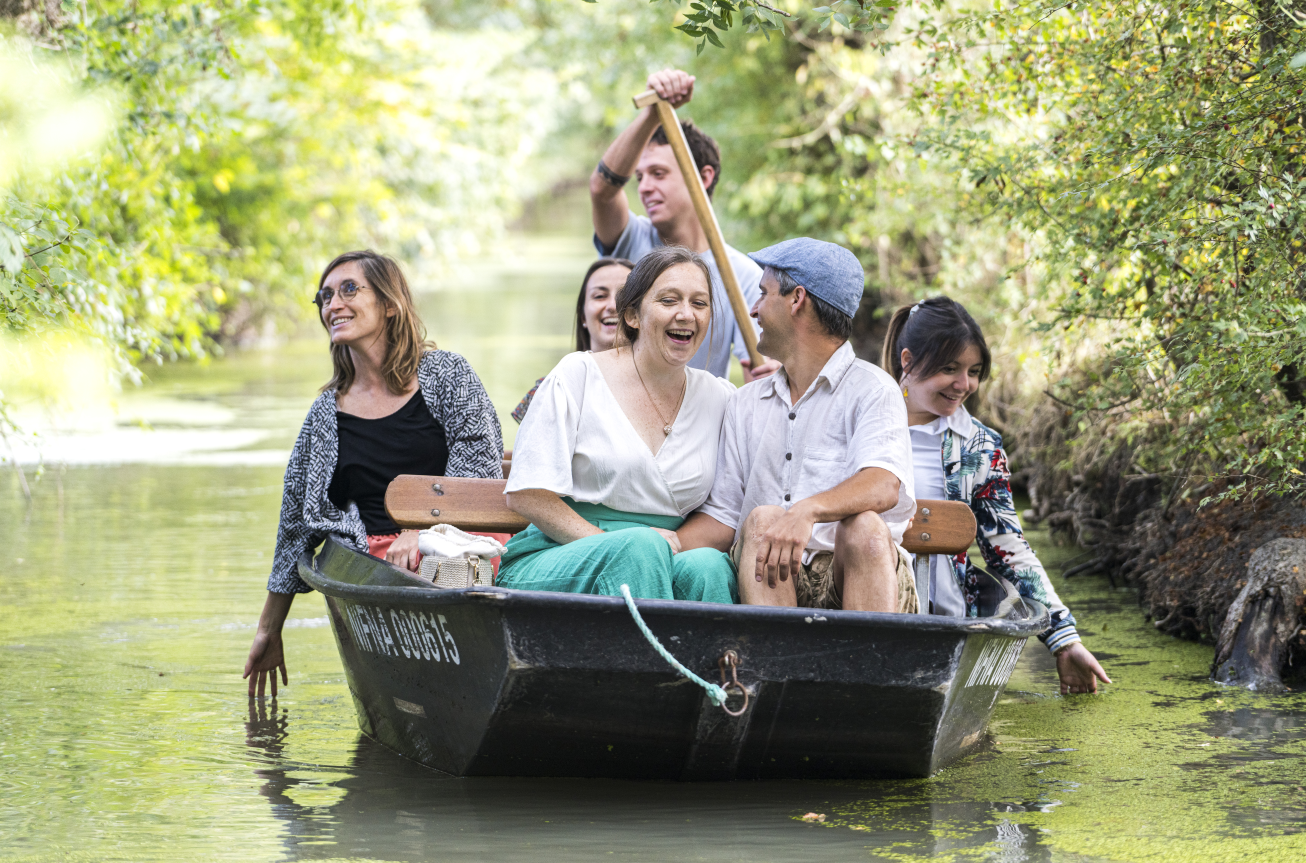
{"points": [[666, 426]]}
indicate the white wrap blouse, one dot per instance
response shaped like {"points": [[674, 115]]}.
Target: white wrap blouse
{"points": [[577, 442]]}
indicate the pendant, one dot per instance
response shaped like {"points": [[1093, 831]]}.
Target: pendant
{"points": [[666, 430]]}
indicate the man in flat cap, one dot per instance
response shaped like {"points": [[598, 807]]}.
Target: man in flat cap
{"points": [[813, 485]]}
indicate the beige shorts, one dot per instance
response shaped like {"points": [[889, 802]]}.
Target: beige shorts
{"points": [[816, 587]]}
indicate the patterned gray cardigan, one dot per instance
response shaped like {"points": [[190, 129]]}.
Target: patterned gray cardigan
{"points": [[454, 395]]}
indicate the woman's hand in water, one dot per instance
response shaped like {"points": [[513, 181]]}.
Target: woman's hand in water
{"points": [[266, 657], [672, 538], [403, 551], [1079, 670]]}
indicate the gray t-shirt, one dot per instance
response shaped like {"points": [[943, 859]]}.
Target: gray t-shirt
{"points": [[640, 238]]}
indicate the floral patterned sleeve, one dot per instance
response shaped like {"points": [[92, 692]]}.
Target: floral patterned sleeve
{"points": [[519, 412], [1008, 553]]}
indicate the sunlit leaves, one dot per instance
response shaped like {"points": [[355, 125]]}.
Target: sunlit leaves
{"points": [[707, 20], [256, 142], [11, 253], [1158, 149]]}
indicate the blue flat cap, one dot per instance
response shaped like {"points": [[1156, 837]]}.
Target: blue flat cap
{"points": [[829, 272]]}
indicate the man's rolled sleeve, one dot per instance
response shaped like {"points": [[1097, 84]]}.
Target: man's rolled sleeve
{"points": [[726, 500], [880, 439]]}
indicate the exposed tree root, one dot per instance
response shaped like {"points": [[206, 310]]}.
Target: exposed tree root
{"points": [[1192, 566], [1189, 564], [1265, 618]]}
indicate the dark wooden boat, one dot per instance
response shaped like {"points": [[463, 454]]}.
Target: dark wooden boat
{"points": [[491, 681]]}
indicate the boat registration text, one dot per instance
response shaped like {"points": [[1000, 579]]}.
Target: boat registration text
{"points": [[398, 632], [996, 660]]}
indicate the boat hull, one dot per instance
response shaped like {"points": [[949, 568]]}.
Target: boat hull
{"points": [[494, 682]]}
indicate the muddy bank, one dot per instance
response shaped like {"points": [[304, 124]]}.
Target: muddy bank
{"points": [[1192, 564], [1195, 561]]}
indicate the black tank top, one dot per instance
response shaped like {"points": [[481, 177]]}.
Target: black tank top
{"points": [[373, 452]]}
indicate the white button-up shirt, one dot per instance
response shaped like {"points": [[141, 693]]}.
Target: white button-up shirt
{"points": [[774, 452], [931, 484]]}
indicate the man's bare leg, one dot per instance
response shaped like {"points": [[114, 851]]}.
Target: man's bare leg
{"points": [[752, 591], [865, 564]]}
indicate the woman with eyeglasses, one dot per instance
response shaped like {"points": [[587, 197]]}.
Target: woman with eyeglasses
{"points": [[394, 405]]}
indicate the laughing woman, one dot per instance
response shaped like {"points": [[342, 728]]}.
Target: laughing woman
{"points": [[596, 314], [937, 352], [619, 446], [394, 405]]}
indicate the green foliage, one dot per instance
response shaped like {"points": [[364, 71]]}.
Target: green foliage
{"points": [[708, 20], [1156, 153], [254, 142], [1126, 177], [834, 166]]}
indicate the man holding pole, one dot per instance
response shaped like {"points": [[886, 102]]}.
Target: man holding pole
{"points": [[644, 151]]}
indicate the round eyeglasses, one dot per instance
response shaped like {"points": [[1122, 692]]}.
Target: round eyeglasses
{"points": [[348, 290]]}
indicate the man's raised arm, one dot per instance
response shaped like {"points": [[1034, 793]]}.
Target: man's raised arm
{"points": [[608, 206]]}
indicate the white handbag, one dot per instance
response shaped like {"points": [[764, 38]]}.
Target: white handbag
{"points": [[452, 558]]}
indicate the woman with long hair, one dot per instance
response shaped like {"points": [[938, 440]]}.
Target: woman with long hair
{"points": [[620, 446], [394, 405], [937, 352], [595, 323]]}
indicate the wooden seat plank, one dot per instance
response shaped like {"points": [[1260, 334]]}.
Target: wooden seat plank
{"points": [[940, 526], [470, 504]]}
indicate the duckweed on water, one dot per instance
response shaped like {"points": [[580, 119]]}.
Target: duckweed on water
{"points": [[1162, 766], [125, 731]]}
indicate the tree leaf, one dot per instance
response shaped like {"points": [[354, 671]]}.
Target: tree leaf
{"points": [[11, 250]]}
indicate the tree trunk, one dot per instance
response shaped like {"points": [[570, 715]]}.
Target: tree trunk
{"points": [[1265, 616]]}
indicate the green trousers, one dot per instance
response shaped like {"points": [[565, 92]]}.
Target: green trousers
{"points": [[625, 553]]}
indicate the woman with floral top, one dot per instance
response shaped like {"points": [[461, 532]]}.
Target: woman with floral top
{"points": [[938, 353]]}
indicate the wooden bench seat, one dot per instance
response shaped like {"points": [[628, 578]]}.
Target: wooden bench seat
{"points": [[940, 526]]}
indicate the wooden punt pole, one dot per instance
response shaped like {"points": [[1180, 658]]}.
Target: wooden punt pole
{"points": [[706, 216]]}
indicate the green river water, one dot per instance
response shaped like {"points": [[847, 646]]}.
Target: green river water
{"points": [[132, 581]]}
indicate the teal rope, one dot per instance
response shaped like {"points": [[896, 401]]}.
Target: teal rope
{"points": [[714, 692]]}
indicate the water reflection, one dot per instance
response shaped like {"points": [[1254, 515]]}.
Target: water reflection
{"points": [[1265, 726], [1267, 735], [388, 808]]}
